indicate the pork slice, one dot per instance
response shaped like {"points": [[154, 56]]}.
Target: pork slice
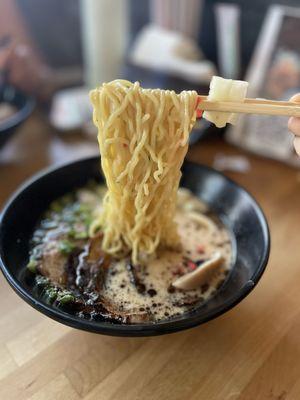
{"points": [[53, 263]]}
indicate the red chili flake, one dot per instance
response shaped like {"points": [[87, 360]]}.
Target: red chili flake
{"points": [[178, 271], [125, 145], [200, 249], [198, 112], [192, 266]]}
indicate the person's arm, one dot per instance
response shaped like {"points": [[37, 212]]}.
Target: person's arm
{"points": [[294, 125]]}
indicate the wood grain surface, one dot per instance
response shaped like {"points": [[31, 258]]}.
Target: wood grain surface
{"points": [[251, 352]]}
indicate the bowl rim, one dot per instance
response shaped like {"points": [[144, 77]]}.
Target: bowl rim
{"points": [[158, 328]]}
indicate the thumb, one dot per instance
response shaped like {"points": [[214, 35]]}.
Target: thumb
{"points": [[295, 98], [294, 123], [297, 145]]}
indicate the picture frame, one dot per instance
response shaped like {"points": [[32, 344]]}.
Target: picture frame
{"points": [[273, 73]]}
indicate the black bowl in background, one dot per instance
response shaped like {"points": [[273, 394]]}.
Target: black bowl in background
{"points": [[237, 209], [24, 105]]}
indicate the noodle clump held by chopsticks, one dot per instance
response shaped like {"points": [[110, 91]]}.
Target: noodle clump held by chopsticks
{"points": [[143, 138]]}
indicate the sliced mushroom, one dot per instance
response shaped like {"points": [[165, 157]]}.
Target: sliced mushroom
{"points": [[52, 263], [201, 275]]}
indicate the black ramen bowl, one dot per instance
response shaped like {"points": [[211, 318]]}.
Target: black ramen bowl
{"points": [[237, 209], [24, 106]]}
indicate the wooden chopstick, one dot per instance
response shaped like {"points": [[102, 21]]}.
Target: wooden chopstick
{"points": [[251, 106]]}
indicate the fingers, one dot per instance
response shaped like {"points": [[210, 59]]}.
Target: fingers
{"points": [[294, 123], [296, 98], [297, 145]]}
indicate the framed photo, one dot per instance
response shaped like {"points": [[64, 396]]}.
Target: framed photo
{"points": [[274, 73]]}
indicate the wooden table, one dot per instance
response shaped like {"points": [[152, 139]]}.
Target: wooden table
{"points": [[251, 352]]}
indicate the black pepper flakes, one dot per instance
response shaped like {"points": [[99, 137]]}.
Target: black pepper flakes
{"points": [[152, 292]]}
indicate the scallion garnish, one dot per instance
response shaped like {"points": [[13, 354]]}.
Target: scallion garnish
{"points": [[66, 247], [31, 266]]}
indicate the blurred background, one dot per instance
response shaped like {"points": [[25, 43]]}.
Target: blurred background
{"points": [[52, 52]]}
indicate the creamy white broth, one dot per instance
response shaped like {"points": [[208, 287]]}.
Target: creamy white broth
{"points": [[159, 273]]}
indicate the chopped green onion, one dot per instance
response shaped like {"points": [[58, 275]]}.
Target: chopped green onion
{"points": [[51, 293], [88, 220], [31, 266], [72, 233], [84, 208], [66, 247], [78, 234], [81, 235], [42, 280], [65, 298]]}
